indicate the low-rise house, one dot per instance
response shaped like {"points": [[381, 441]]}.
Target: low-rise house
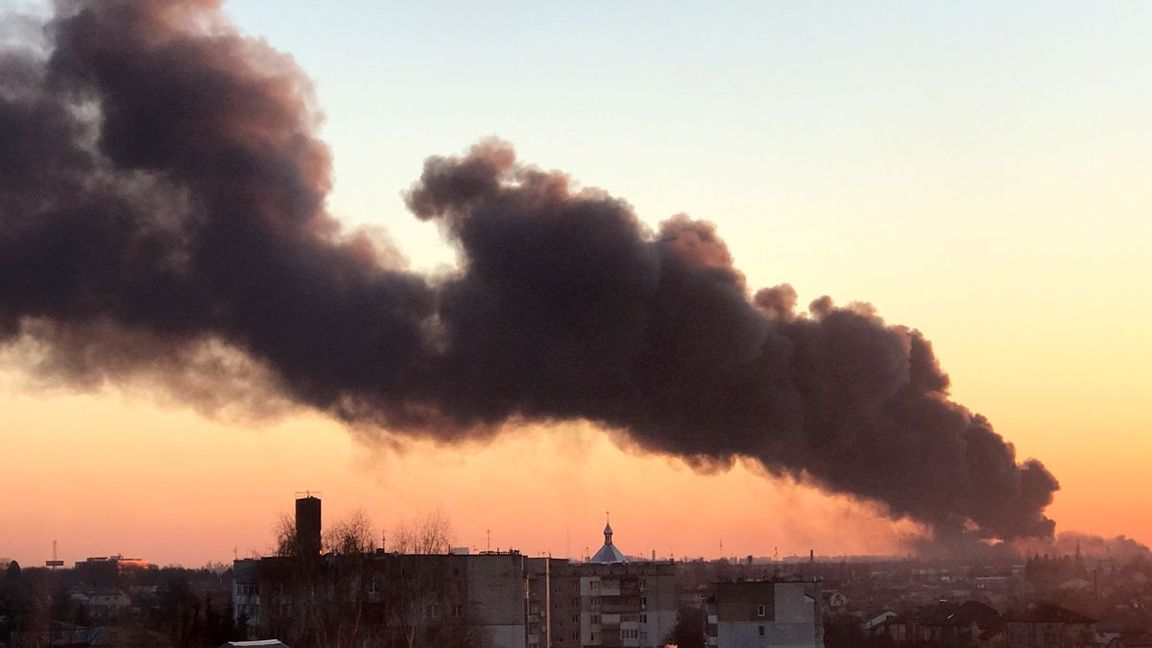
{"points": [[108, 604], [834, 600], [1050, 626], [875, 620], [944, 623]]}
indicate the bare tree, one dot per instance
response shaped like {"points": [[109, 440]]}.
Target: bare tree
{"points": [[284, 532], [351, 535], [431, 533]]}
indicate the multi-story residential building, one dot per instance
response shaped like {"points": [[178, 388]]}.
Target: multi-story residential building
{"points": [[538, 608], [499, 600], [383, 599], [611, 601], [763, 614], [386, 599], [109, 572]]}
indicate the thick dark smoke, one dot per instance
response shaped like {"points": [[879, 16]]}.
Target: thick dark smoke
{"points": [[161, 189]]}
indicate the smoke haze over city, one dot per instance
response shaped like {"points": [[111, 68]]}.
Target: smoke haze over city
{"points": [[165, 220]]}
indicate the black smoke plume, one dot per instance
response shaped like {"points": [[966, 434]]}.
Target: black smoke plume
{"points": [[162, 189]]}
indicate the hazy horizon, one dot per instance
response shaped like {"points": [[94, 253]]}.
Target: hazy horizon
{"points": [[972, 172]]}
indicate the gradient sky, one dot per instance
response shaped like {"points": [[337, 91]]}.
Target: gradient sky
{"points": [[977, 171]]}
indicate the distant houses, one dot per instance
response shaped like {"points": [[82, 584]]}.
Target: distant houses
{"points": [[1051, 626], [973, 624]]}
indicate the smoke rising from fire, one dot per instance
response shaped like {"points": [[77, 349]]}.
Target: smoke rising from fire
{"points": [[162, 191]]}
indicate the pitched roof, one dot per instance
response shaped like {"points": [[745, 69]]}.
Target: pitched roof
{"points": [[608, 554], [1048, 613]]}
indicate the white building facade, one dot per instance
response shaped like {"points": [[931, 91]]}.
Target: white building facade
{"points": [[768, 614]]}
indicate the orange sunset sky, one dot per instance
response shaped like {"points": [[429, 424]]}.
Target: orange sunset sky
{"points": [[978, 173]]}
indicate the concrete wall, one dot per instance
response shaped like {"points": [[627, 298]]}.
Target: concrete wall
{"points": [[538, 572], [767, 614], [246, 592], [496, 597], [565, 600], [626, 605], [794, 603]]}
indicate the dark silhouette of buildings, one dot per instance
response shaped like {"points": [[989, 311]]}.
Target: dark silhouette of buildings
{"points": [[308, 525]]}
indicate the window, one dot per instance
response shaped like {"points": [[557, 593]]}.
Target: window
{"points": [[761, 631], [760, 610], [643, 602], [595, 618], [643, 618], [457, 610]]}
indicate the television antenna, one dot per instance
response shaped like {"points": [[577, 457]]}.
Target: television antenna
{"points": [[55, 562]]}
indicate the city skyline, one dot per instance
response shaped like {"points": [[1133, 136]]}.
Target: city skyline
{"points": [[983, 190]]}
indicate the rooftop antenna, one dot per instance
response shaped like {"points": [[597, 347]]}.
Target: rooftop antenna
{"points": [[489, 532], [307, 493], [721, 548], [55, 562]]}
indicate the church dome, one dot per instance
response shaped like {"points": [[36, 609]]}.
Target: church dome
{"points": [[608, 554]]}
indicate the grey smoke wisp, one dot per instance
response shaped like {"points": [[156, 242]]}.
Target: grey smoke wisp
{"points": [[162, 187]]}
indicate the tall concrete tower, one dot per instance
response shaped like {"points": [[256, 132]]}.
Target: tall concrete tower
{"points": [[308, 525]]}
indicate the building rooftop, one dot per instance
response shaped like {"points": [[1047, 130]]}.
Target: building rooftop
{"points": [[1048, 613], [608, 554]]}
